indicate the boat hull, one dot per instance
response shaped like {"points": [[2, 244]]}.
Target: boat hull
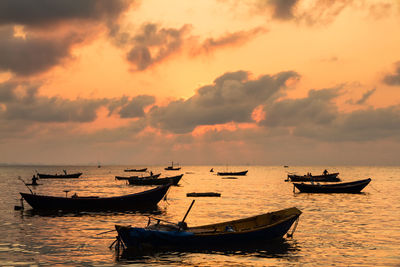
{"points": [[331, 177], [351, 187], [136, 177], [54, 176], [232, 173], [137, 201], [135, 170], [173, 180]]}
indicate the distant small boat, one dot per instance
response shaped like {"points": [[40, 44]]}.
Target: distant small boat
{"points": [[136, 176], [173, 180], [203, 194], [241, 173], [350, 187], [257, 230], [65, 175], [330, 177], [135, 170], [136, 201], [172, 168]]}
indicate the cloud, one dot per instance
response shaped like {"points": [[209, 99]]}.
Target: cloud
{"points": [[135, 107], [365, 96], [308, 12], [394, 78], [45, 13], [45, 42], [33, 54], [316, 109], [282, 9], [357, 126], [232, 97], [153, 44], [230, 39]]}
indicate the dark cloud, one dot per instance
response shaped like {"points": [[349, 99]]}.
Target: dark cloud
{"points": [[135, 107], [229, 39], [394, 78], [358, 126], [313, 12], [317, 109], [33, 54], [7, 91], [282, 9], [232, 97], [365, 96], [47, 12], [28, 106], [42, 45], [153, 44]]}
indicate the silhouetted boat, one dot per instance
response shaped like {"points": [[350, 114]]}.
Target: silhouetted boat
{"points": [[136, 176], [203, 194], [350, 187], [172, 168], [330, 177], [174, 180], [136, 201], [65, 175], [260, 229], [241, 173], [135, 170]]}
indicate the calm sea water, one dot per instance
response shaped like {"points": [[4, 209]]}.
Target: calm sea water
{"points": [[334, 229]]}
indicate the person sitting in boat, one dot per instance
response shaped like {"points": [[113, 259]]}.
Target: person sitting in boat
{"points": [[34, 179], [74, 195], [325, 172]]}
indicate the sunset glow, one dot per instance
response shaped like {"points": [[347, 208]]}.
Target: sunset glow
{"points": [[147, 82]]}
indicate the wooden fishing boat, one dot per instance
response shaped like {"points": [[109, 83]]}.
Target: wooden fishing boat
{"points": [[137, 201], [172, 168], [174, 180], [154, 176], [350, 187], [329, 177], [241, 173], [53, 176], [260, 229], [135, 170]]}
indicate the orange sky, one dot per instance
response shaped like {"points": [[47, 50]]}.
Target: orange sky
{"points": [[135, 77]]}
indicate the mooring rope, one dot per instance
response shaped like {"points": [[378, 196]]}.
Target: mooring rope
{"points": [[294, 227]]}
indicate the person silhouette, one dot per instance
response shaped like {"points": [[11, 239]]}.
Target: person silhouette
{"points": [[34, 179]]}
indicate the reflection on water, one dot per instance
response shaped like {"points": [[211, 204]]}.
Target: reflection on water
{"points": [[276, 249], [344, 229]]}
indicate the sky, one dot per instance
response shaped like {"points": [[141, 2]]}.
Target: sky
{"points": [[222, 82]]}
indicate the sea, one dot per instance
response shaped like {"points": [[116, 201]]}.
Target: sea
{"points": [[333, 230]]}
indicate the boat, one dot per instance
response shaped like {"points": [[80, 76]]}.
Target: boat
{"points": [[152, 176], [241, 173], [329, 177], [172, 168], [260, 229], [137, 201], [135, 170], [349, 187], [65, 175], [203, 194], [174, 180]]}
